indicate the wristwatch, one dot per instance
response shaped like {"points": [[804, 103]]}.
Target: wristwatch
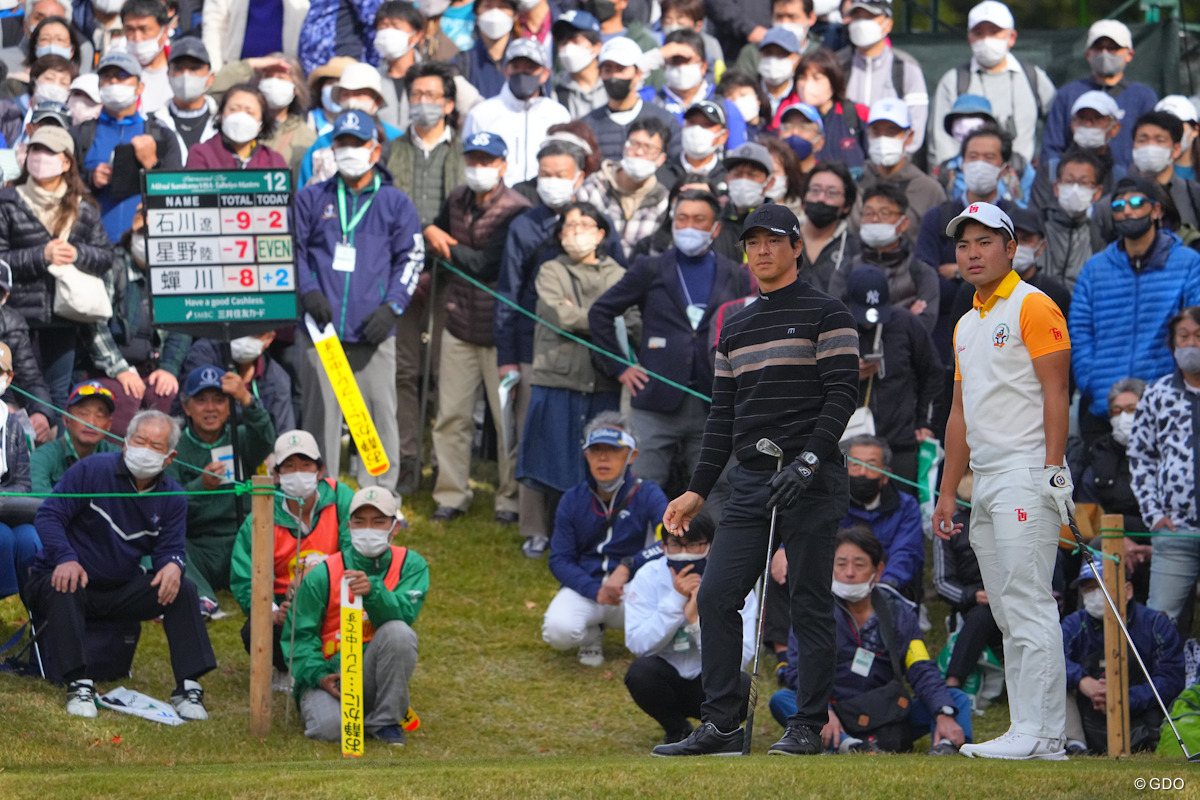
{"points": [[810, 458], [949, 711], [627, 563]]}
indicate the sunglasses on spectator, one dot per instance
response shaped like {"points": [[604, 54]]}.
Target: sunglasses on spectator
{"points": [[1134, 203], [89, 391]]}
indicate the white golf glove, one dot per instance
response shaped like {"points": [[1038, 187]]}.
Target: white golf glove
{"points": [[1058, 488]]}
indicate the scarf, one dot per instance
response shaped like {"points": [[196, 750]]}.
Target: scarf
{"points": [[46, 205]]}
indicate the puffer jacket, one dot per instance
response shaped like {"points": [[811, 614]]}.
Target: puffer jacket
{"points": [[23, 241], [480, 231], [16, 451], [27, 375], [566, 290], [1119, 316]]}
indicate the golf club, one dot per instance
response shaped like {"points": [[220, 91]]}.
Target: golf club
{"points": [[1097, 567], [766, 447]]}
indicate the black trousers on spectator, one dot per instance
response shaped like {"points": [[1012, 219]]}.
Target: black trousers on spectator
{"points": [[277, 659], [979, 630], [64, 615], [671, 699], [737, 558]]}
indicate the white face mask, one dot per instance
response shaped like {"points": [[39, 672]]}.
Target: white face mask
{"points": [[747, 105], [278, 92], [3, 384], [989, 51], [822, 8], [494, 24], [137, 248], [239, 127], [698, 142], [851, 592], [555, 192], [886, 151], [963, 126], [118, 96], [144, 51], [371, 542], [775, 71], [352, 162], [107, 6], [525, 6], [746, 192], [1122, 427], [245, 349], [364, 104], [777, 189], [1075, 198], [575, 57], [187, 87], [798, 28], [878, 234], [865, 33], [684, 77], [298, 484], [1090, 138], [1151, 159], [143, 462], [690, 241], [1025, 258], [392, 43], [981, 177], [482, 179], [638, 169], [1093, 603], [47, 92]]}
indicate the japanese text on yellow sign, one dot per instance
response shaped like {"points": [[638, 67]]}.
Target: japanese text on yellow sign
{"points": [[350, 399], [352, 676]]}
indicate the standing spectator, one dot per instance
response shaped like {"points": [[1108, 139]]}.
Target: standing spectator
{"points": [[455, 18], [265, 377], [244, 121], [703, 142], [687, 83], [321, 83], [283, 86], [1095, 124], [34, 12], [100, 22], [144, 25], [578, 86], [482, 64], [360, 88], [274, 26], [468, 233], [829, 196], [1182, 109], [335, 28], [19, 543], [993, 174], [88, 420], [1109, 52], [1157, 142], [746, 93], [191, 110], [357, 268], [750, 173], [794, 16], [740, 21], [84, 98], [14, 332], [681, 15], [1072, 235], [821, 84], [620, 71], [781, 50]]}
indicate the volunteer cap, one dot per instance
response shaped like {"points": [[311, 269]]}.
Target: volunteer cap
{"points": [[781, 37], [202, 378], [525, 48], [772, 217], [614, 437], [89, 389], [621, 50], [892, 109], [1100, 102], [357, 124], [296, 443], [189, 47], [120, 60], [376, 497], [985, 214], [1110, 29], [484, 142], [991, 11], [1178, 106], [867, 290]]}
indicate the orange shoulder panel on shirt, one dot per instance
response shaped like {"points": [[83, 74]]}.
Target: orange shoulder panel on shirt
{"points": [[954, 344], [1043, 327]]}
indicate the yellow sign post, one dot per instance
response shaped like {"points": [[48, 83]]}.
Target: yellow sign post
{"points": [[353, 733]]}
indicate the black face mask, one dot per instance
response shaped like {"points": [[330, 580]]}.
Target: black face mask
{"points": [[863, 489], [821, 215], [618, 88], [1133, 228], [603, 10], [524, 85]]}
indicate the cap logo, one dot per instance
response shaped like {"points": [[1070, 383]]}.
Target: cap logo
{"points": [[294, 440], [210, 375], [481, 140], [974, 209], [873, 298], [350, 122]]}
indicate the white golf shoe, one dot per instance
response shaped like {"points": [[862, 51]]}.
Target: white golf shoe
{"points": [[1017, 747], [81, 698]]}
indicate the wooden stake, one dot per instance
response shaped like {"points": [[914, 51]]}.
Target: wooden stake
{"points": [[1116, 666], [262, 580]]}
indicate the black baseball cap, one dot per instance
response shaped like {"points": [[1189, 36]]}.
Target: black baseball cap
{"points": [[1025, 220], [867, 292], [189, 47], [774, 218]]}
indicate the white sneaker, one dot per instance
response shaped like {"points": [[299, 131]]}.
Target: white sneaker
{"points": [[81, 698], [282, 682], [190, 704], [1017, 747], [591, 652]]}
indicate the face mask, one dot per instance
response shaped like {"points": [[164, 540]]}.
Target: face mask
{"points": [[43, 165], [494, 24], [580, 245], [865, 33], [575, 57], [1025, 258], [603, 10], [747, 105], [370, 542], [777, 189], [3, 384], [239, 127], [886, 151], [800, 146], [775, 71], [482, 179], [745, 192], [278, 92], [1093, 603], [817, 94], [1133, 228], [798, 28], [699, 142], [392, 43], [1090, 138], [639, 169], [1075, 198], [1151, 159], [863, 489], [54, 50], [187, 87], [878, 234], [989, 52], [425, 115], [677, 561], [1188, 359], [108, 6], [364, 104], [245, 349], [1105, 64], [963, 126], [555, 192], [851, 592], [82, 109], [525, 6], [821, 215], [352, 162], [144, 51], [137, 248], [298, 484], [1122, 426], [1189, 136], [690, 241], [332, 109], [618, 88], [143, 462], [118, 96], [981, 177], [684, 78], [524, 85]]}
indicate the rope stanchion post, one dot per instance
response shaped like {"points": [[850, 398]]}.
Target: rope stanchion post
{"points": [[1116, 663], [262, 512]]}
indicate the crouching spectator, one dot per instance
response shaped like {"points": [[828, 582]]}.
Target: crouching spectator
{"points": [[599, 531], [18, 541], [1083, 643], [878, 645], [392, 582], [662, 628], [88, 419], [90, 567]]}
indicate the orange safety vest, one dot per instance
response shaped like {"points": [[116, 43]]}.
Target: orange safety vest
{"points": [[314, 548], [331, 627]]}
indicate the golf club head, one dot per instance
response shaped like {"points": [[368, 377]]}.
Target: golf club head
{"points": [[767, 447]]}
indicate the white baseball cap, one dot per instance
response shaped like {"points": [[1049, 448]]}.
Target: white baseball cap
{"points": [[991, 11], [985, 214], [1112, 29], [1178, 106], [89, 84], [892, 109], [621, 50], [1100, 102], [376, 497], [359, 76]]}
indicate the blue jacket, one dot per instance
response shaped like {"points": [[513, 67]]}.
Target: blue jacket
{"points": [[1119, 317], [389, 251], [1134, 99], [109, 536], [896, 523], [1156, 640], [480, 71], [583, 550], [669, 346]]}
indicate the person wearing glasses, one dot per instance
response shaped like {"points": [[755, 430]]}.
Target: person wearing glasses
{"points": [[1113, 335], [828, 240]]}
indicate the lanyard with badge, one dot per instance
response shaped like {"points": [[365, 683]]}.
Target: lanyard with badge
{"points": [[695, 312], [344, 253], [863, 658]]}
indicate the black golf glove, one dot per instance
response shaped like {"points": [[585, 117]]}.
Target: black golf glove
{"points": [[379, 324], [317, 306], [789, 483]]}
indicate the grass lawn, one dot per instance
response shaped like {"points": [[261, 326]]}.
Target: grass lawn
{"points": [[502, 716]]}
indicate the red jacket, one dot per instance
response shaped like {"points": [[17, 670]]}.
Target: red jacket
{"points": [[212, 154]]}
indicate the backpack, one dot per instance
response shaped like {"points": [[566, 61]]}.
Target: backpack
{"points": [[963, 73], [1185, 713]]}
